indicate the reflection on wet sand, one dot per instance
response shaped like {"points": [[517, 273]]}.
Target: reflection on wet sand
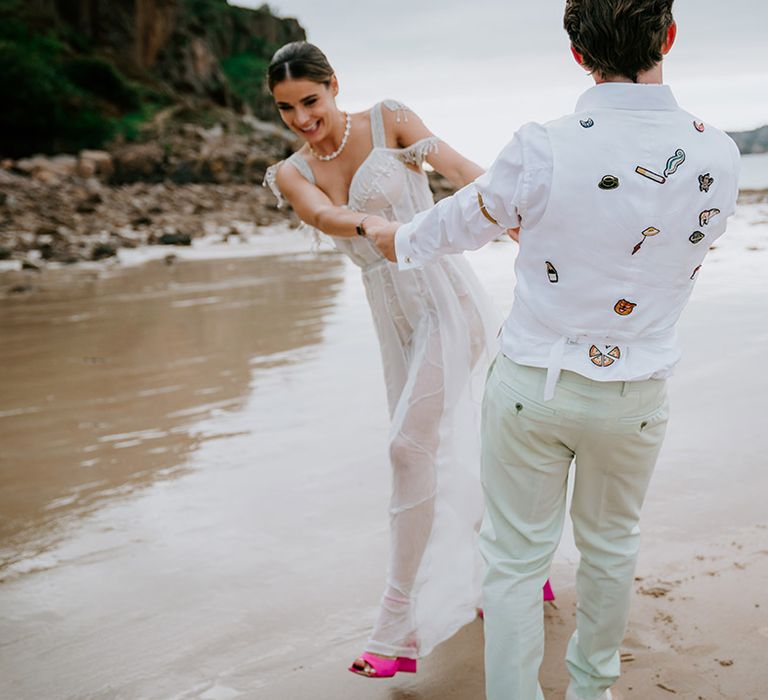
{"points": [[105, 378]]}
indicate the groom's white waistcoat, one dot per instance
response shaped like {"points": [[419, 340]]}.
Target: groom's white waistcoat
{"points": [[618, 204]]}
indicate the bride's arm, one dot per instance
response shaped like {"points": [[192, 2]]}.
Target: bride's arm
{"points": [[457, 169], [315, 208]]}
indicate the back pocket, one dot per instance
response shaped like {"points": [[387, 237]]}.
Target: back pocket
{"points": [[523, 405]]}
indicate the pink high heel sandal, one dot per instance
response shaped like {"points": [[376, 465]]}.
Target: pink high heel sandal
{"points": [[382, 666]]}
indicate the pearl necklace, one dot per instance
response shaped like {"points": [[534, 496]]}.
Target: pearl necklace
{"points": [[338, 151]]}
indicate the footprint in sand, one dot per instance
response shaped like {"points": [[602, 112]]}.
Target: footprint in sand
{"points": [[658, 591]]}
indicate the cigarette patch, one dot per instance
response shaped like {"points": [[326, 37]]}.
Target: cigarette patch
{"points": [[650, 174]]}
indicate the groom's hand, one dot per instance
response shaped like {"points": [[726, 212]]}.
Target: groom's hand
{"points": [[382, 233]]}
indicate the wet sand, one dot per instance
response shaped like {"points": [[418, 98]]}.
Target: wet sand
{"points": [[193, 490]]}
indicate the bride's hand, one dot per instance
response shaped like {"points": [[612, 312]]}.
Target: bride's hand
{"points": [[382, 233], [514, 234]]}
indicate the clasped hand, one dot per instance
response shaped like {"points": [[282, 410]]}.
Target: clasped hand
{"points": [[382, 233]]}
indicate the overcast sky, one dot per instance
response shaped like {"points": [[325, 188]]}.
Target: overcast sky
{"points": [[475, 71]]}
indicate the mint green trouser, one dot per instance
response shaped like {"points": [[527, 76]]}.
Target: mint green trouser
{"points": [[614, 431]]}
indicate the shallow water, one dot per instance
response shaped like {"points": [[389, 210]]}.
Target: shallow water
{"points": [[108, 383], [754, 172], [193, 476]]}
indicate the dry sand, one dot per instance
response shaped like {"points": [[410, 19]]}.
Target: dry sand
{"points": [[193, 491]]}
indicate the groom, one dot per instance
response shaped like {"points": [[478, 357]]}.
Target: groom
{"points": [[617, 205]]}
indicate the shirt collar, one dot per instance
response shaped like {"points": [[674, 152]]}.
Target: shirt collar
{"points": [[627, 96]]}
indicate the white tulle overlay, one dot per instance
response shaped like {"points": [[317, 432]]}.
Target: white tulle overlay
{"points": [[436, 328]]}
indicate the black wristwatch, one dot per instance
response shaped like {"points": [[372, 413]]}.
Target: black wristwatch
{"points": [[359, 228]]}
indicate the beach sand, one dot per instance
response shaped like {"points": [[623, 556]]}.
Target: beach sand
{"points": [[193, 489]]}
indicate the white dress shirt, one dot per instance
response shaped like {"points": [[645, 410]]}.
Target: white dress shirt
{"points": [[618, 204]]}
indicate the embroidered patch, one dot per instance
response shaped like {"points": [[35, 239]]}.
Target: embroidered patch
{"points": [[699, 126], [650, 174], [695, 271], [481, 204], [674, 162], [604, 359], [587, 123], [552, 273], [624, 307], [705, 182], [650, 231], [707, 215], [696, 237], [609, 182]]}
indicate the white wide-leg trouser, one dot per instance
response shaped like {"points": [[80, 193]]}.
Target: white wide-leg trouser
{"points": [[613, 431]]}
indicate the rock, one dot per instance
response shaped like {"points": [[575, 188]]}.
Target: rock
{"points": [[103, 250], [86, 169], [439, 185], [27, 166], [63, 164], [5, 253], [141, 220], [28, 265], [93, 186], [755, 141], [86, 207], [46, 177], [47, 251], [47, 170], [47, 230], [97, 162], [175, 239], [138, 162]]}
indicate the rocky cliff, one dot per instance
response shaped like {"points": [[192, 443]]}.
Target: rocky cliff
{"points": [[755, 141], [79, 72]]}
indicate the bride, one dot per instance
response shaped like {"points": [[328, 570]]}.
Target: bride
{"points": [[436, 330]]}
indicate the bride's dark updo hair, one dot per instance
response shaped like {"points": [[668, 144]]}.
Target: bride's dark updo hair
{"points": [[299, 60]]}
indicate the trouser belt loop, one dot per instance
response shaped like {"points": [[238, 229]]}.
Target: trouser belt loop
{"points": [[624, 388]]}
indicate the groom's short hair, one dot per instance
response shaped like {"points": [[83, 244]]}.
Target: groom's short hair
{"points": [[618, 37]]}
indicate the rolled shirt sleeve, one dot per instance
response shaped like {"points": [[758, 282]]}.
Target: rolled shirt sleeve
{"points": [[481, 211]]}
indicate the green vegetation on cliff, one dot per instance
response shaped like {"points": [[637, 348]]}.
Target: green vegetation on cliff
{"points": [[59, 95], [76, 75]]}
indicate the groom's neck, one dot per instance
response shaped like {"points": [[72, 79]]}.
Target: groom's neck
{"points": [[654, 76]]}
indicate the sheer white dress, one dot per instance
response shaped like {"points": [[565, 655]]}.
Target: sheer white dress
{"points": [[436, 328]]}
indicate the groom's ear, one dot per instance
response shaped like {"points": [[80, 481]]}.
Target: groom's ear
{"points": [[577, 56], [670, 38]]}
